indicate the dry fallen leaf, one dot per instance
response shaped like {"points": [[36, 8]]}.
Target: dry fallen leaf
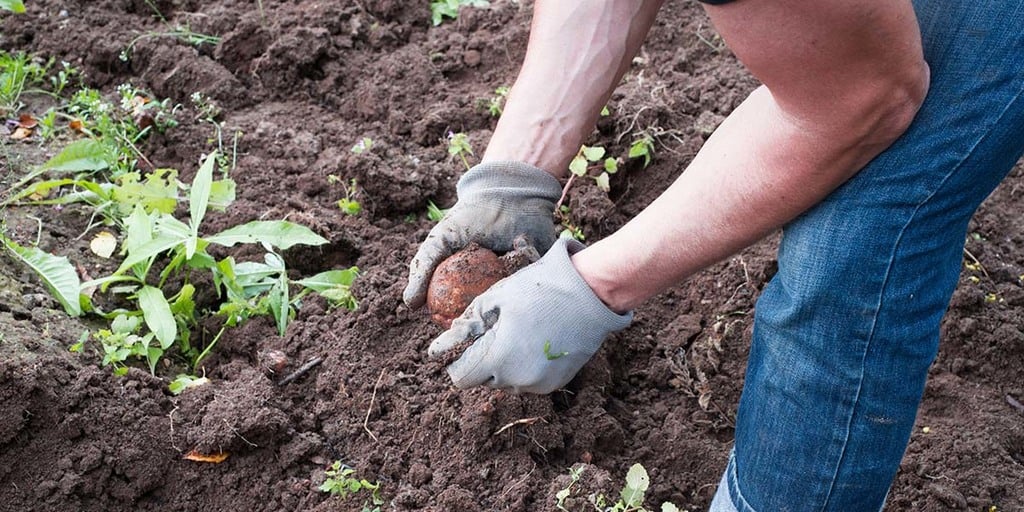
{"points": [[76, 125], [215, 458], [103, 244], [27, 121], [21, 133]]}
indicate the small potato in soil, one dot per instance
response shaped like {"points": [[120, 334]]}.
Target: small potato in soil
{"points": [[468, 273]]}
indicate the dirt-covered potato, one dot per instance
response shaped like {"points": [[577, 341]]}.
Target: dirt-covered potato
{"points": [[468, 273]]}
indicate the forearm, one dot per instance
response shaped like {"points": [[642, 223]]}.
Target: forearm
{"points": [[578, 52], [775, 156]]}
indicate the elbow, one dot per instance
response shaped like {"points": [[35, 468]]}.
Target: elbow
{"points": [[888, 107]]}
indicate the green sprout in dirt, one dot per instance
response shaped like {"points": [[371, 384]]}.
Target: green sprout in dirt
{"points": [[348, 204], [341, 482], [582, 166], [550, 355], [17, 71], [642, 146], [364, 145], [15, 6], [434, 213], [631, 497], [441, 9], [495, 104], [569, 228], [458, 145], [182, 33]]}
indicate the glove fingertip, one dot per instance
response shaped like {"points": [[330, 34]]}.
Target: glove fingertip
{"points": [[415, 294]]}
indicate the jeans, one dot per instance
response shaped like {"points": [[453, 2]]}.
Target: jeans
{"points": [[846, 330]]}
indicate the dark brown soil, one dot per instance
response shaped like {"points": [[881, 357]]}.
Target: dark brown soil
{"points": [[304, 80]]}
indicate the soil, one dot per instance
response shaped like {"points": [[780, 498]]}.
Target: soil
{"points": [[304, 80]]}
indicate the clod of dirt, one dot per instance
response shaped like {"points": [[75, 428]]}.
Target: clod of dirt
{"points": [[273, 362], [468, 273]]}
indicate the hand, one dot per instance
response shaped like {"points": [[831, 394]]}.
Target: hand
{"points": [[533, 330], [498, 201]]}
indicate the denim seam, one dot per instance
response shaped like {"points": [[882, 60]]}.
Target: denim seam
{"points": [[885, 282]]}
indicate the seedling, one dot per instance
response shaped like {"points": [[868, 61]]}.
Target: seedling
{"points": [[362, 146], [341, 482], [496, 103], [631, 497], [182, 33], [15, 6], [552, 356], [582, 165], [16, 72], [569, 228], [642, 146], [434, 213], [349, 204], [441, 9], [458, 145]]}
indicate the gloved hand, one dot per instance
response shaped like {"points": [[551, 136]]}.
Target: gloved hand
{"points": [[497, 202], [533, 330]]}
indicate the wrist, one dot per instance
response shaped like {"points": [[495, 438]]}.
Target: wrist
{"points": [[604, 278]]}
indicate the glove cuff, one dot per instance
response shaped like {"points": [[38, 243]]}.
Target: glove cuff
{"points": [[512, 186], [590, 311]]}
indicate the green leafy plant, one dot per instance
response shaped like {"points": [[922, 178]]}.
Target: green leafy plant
{"points": [[582, 166], [16, 72], [182, 33], [631, 497], [496, 103], [341, 482], [459, 146], [642, 146], [349, 204], [441, 9], [569, 228], [434, 213], [364, 145], [56, 273], [15, 6]]}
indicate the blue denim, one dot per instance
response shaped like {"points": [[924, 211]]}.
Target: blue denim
{"points": [[845, 332]]}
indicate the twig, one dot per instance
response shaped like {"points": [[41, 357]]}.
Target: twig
{"points": [[304, 369], [1014, 403], [976, 262], [523, 421], [366, 420], [240, 436], [565, 190]]}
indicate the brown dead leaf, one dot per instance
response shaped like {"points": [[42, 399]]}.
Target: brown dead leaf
{"points": [[27, 121], [214, 458], [76, 125], [21, 133]]}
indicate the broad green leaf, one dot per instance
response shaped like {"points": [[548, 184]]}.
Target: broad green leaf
{"points": [[637, 482], [157, 313], [183, 382], [199, 194], [138, 230], [159, 191], [593, 153], [79, 156], [222, 194], [602, 182], [148, 250], [15, 6], [669, 507], [278, 299], [56, 272], [278, 233], [330, 279], [578, 166]]}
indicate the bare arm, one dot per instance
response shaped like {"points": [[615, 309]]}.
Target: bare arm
{"points": [[843, 79], [577, 54]]}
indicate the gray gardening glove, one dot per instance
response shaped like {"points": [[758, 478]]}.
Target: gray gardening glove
{"points": [[533, 330], [498, 201]]}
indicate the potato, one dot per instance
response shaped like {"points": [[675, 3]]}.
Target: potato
{"points": [[468, 273]]}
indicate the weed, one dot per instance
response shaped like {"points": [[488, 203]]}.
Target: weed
{"points": [[16, 72], [15, 6], [631, 497], [340, 482], [362, 146], [581, 166], [642, 146], [182, 33], [434, 213], [348, 204], [569, 228], [458, 145], [441, 9], [496, 103]]}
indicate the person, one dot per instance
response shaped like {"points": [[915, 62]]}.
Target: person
{"points": [[880, 127]]}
